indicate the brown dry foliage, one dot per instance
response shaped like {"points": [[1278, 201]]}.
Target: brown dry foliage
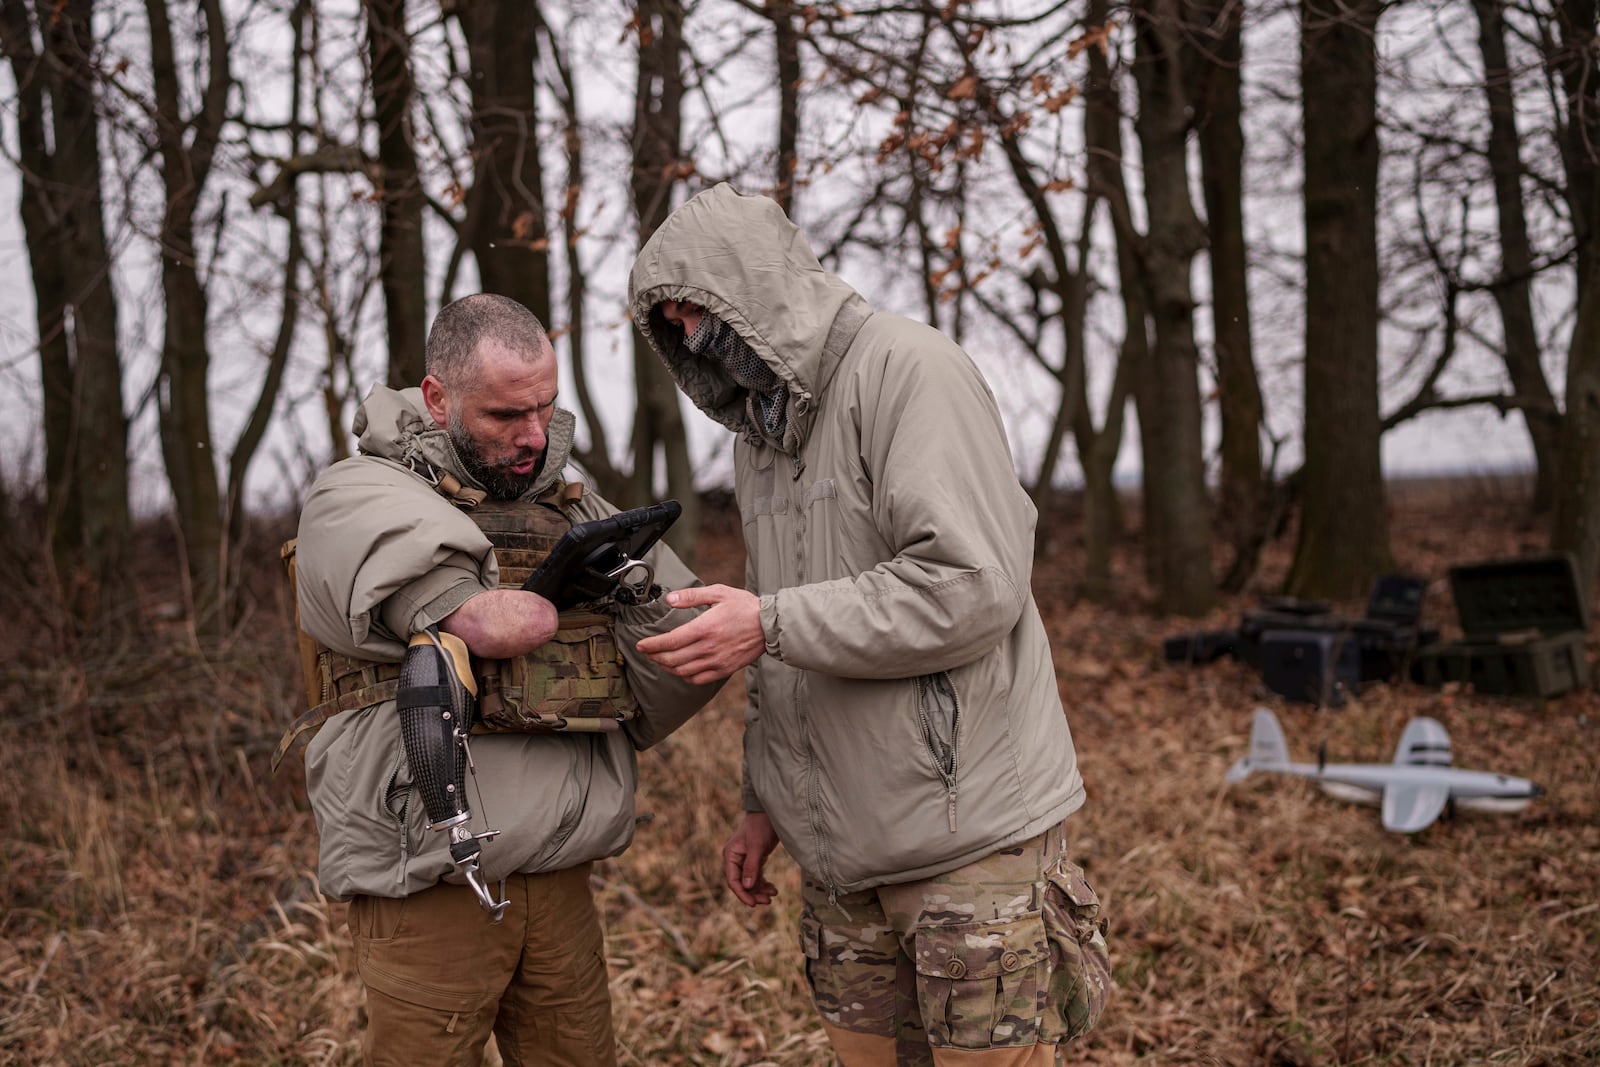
{"points": [[159, 903]]}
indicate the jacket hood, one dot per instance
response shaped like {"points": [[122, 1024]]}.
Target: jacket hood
{"points": [[394, 424], [741, 259]]}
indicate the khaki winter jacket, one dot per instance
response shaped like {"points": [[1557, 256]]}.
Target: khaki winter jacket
{"points": [[382, 555], [905, 720]]}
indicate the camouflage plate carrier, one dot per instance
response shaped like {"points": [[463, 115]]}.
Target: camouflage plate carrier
{"points": [[573, 682]]}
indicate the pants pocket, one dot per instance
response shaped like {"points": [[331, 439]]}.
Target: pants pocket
{"points": [[1080, 963], [375, 919], [852, 971], [982, 985]]}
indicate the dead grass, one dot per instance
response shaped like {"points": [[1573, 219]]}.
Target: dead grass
{"points": [[159, 904]]}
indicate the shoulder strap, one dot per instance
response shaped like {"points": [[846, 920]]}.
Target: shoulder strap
{"points": [[365, 684], [309, 674]]}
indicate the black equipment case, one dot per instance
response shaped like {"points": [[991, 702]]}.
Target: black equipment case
{"points": [[1318, 667], [1384, 639], [1523, 623], [1199, 646]]}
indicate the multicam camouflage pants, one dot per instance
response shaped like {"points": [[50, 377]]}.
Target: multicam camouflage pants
{"points": [[992, 964]]}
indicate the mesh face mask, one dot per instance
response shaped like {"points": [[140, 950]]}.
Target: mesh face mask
{"points": [[719, 342]]}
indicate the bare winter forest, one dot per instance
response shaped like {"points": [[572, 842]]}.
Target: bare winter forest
{"points": [[160, 904], [1252, 254]]}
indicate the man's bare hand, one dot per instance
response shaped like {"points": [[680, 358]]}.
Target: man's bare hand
{"points": [[715, 644], [744, 857]]}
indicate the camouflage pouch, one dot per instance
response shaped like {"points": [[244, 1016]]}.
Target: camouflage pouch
{"points": [[1080, 964], [574, 681], [980, 984]]}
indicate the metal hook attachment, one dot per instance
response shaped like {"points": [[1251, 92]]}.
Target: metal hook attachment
{"points": [[634, 579], [460, 836]]}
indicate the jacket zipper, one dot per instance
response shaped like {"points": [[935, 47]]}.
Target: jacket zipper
{"points": [[814, 801], [955, 746], [814, 809], [403, 816]]}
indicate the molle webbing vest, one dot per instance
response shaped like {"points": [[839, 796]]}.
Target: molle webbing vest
{"points": [[573, 682]]}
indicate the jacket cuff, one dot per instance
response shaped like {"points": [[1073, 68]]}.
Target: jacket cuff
{"points": [[748, 800], [769, 628], [426, 601]]}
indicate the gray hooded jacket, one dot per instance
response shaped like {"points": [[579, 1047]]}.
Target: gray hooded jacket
{"points": [[382, 555], [905, 720]]}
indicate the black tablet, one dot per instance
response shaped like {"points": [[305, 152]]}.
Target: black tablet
{"points": [[603, 557]]}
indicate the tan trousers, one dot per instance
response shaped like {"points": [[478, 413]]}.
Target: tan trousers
{"points": [[441, 977]]}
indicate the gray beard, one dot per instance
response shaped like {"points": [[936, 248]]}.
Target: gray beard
{"points": [[497, 484]]}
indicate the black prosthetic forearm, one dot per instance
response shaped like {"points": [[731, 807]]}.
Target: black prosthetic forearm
{"points": [[436, 701], [435, 704]]}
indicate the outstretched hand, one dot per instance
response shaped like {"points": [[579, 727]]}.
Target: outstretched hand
{"points": [[715, 644], [744, 857]]}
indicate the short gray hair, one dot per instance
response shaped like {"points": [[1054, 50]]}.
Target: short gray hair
{"points": [[462, 326]]}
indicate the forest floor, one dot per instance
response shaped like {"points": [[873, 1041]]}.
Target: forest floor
{"points": [[158, 903]]}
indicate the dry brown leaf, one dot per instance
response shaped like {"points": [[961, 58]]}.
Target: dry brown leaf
{"points": [[965, 89]]}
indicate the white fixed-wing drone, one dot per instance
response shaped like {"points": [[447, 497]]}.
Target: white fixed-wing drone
{"points": [[1413, 790]]}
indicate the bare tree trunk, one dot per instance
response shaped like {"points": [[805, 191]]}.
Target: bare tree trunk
{"points": [[1098, 451], [657, 130], [255, 428], [1513, 291], [1344, 529], [786, 45], [402, 264], [86, 432], [507, 227], [187, 146], [916, 210], [1218, 60], [1174, 468], [596, 458], [1575, 523]]}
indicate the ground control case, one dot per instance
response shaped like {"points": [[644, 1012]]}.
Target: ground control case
{"points": [[1385, 637], [1523, 622], [1321, 667]]}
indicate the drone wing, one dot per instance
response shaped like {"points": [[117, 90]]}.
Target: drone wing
{"points": [[1409, 808], [1425, 743]]}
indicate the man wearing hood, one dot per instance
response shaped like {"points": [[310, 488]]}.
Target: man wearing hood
{"points": [[388, 548], [904, 738]]}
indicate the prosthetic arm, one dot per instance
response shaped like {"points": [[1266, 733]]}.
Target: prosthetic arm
{"points": [[436, 699]]}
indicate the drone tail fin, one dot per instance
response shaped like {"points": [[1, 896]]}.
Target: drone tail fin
{"points": [[1268, 748]]}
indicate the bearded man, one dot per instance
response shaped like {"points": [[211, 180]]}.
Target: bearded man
{"points": [[459, 486]]}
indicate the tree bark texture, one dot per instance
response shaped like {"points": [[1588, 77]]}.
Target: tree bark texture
{"points": [[509, 232], [62, 211], [1513, 290], [1576, 518], [187, 146], [1098, 451], [657, 131], [255, 428], [1174, 466], [1344, 530], [1217, 59], [402, 268], [786, 45], [596, 458]]}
